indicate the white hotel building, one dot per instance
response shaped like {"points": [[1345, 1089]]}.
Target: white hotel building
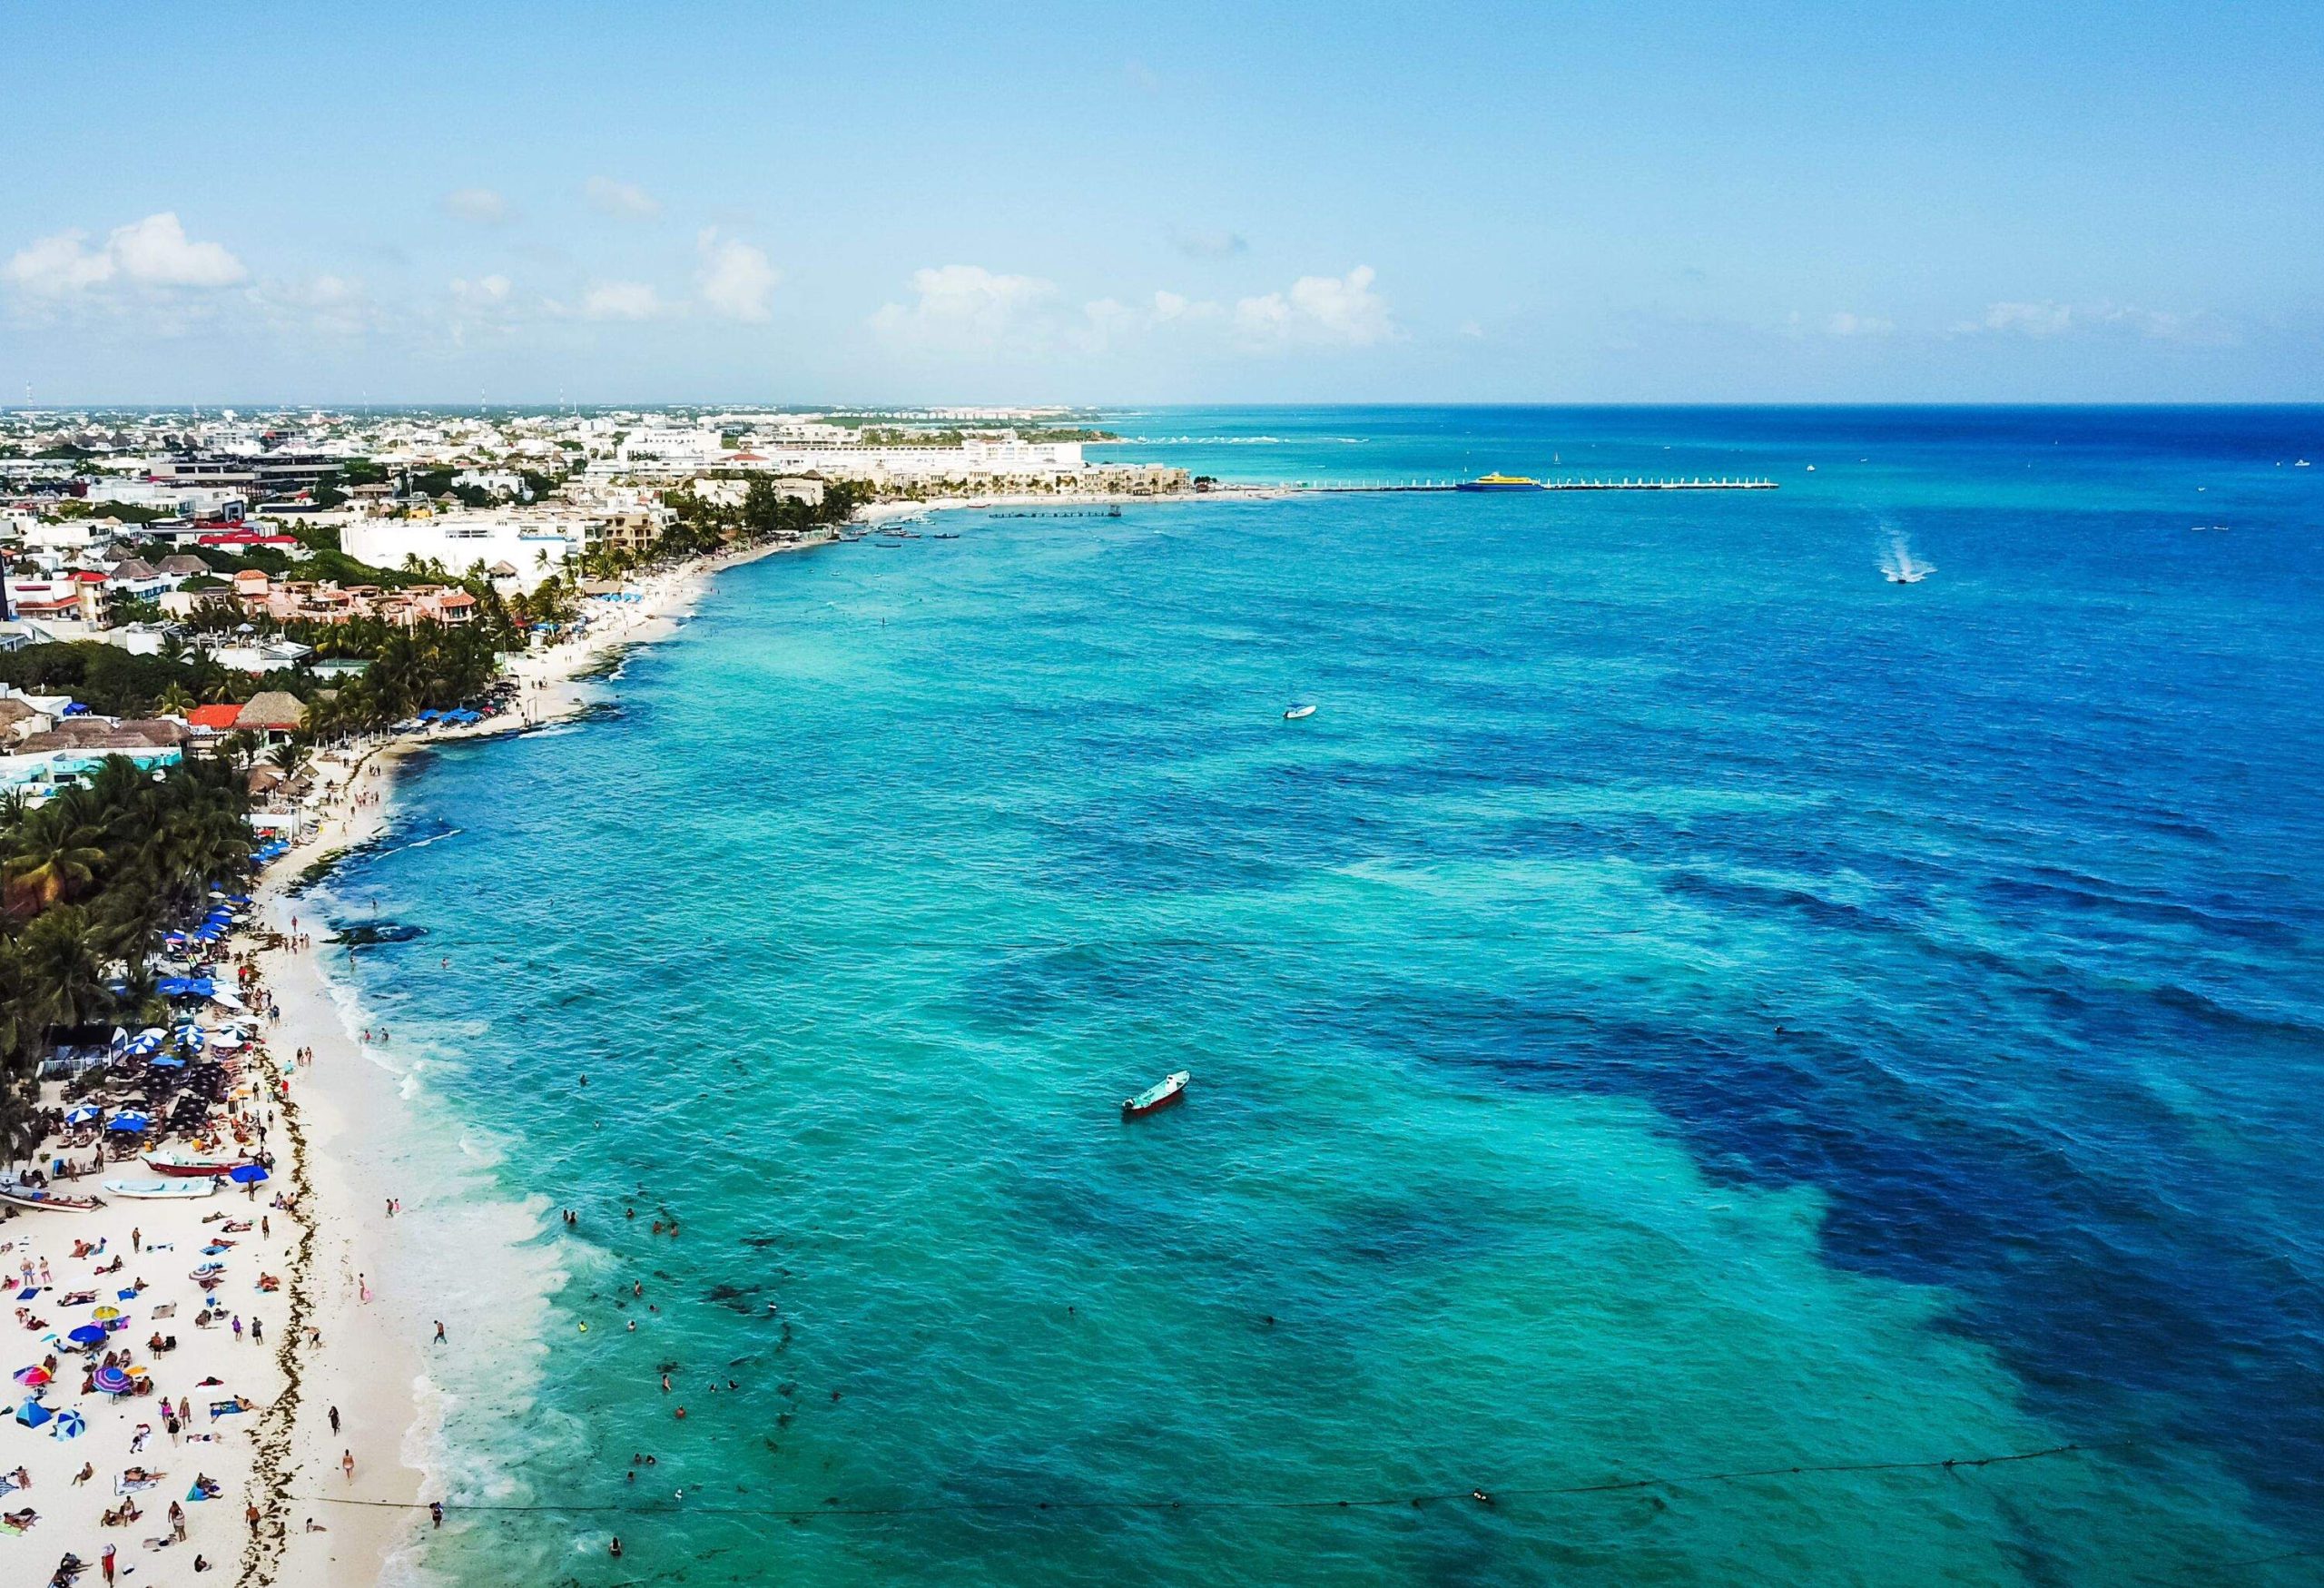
{"points": [[537, 546]]}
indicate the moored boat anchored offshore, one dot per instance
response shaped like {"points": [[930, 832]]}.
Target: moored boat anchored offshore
{"points": [[1160, 1095]]}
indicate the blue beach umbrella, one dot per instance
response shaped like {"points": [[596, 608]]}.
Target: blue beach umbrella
{"points": [[247, 1174], [166, 1063], [70, 1425], [129, 1124], [83, 1115], [32, 1413], [112, 1381], [88, 1335]]}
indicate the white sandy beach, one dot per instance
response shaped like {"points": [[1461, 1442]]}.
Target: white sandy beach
{"points": [[372, 1359], [338, 1336]]}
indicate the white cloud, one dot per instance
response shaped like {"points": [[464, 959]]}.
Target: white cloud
{"points": [[482, 292], [327, 304], [966, 309], [1846, 322], [55, 266], [736, 277], [621, 301], [1209, 244], [478, 205], [625, 200], [154, 253], [1319, 312], [2046, 320]]}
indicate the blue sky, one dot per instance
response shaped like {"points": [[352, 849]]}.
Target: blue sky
{"points": [[1164, 201]]}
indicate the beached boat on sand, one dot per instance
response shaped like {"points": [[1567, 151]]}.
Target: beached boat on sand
{"points": [[1160, 1095], [174, 1190], [185, 1165], [41, 1199]]}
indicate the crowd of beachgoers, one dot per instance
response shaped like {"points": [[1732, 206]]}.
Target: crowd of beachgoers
{"points": [[153, 1243], [202, 1380]]}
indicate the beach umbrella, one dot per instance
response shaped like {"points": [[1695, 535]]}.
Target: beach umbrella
{"points": [[88, 1335], [168, 1063], [129, 1124], [83, 1115], [70, 1425], [107, 1313], [33, 1377], [247, 1174], [32, 1413], [112, 1381]]}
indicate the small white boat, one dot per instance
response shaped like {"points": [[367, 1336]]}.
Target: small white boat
{"points": [[1298, 713], [41, 1199], [158, 1190], [1160, 1095], [187, 1166], [1906, 576]]}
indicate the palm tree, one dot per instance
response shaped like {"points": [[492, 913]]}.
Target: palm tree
{"points": [[290, 756], [55, 857], [63, 969], [175, 701]]}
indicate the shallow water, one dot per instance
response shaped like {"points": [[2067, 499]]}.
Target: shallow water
{"points": [[1683, 1006]]}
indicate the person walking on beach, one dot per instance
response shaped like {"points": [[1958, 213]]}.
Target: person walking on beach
{"points": [[106, 1558], [439, 1333], [346, 1463], [334, 1421]]}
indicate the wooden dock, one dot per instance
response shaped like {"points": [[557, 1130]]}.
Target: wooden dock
{"points": [[1609, 482]]}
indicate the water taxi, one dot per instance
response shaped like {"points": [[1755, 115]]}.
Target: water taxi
{"points": [[1160, 1095], [1500, 482], [187, 1166]]}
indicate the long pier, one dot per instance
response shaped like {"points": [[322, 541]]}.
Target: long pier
{"points": [[1626, 482]]}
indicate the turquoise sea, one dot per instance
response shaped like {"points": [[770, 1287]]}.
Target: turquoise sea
{"points": [[1683, 1007]]}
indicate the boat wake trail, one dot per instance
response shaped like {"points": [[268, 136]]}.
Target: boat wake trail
{"points": [[1898, 564]]}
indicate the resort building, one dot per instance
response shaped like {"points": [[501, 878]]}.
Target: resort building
{"points": [[634, 530], [276, 713], [667, 449], [537, 548]]}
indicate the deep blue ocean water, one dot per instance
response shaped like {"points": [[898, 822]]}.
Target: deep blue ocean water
{"points": [[1683, 1005]]}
